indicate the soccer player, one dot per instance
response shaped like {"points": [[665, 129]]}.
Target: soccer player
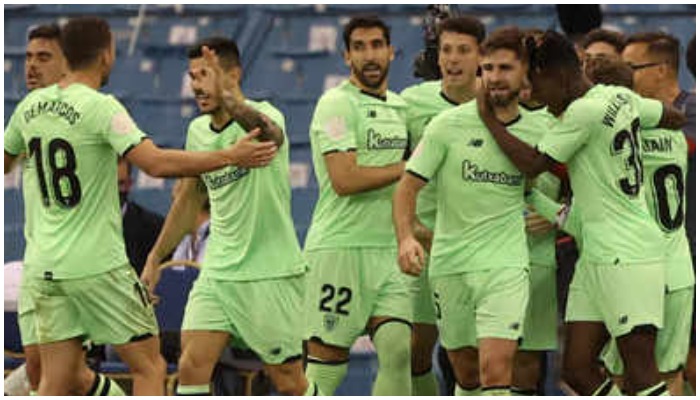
{"points": [[602, 43], [655, 59], [619, 286], [76, 266], [480, 291], [44, 66], [458, 58], [665, 159], [358, 139], [251, 285]]}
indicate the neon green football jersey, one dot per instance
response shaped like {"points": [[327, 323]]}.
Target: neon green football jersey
{"points": [[71, 138], [425, 101], [542, 247], [480, 199], [252, 234], [348, 119], [598, 138], [665, 158]]}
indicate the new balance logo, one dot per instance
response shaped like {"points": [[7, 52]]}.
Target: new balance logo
{"points": [[476, 143], [623, 320]]}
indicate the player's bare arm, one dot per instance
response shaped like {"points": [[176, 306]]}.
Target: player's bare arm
{"points": [[245, 153], [411, 253], [526, 158], [189, 199], [348, 178], [9, 162], [234, 103]]}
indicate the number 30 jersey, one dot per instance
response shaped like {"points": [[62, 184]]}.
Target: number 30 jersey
{"points": [[598, 138], [71, 138]]}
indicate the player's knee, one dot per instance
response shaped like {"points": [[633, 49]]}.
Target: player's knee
{"points": [[153, 367], [393, 343], [422, 353]]}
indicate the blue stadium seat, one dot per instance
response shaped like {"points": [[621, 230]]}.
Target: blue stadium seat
{"points": [[14, 243], [164, 119], [298, 111], [303, 203], [156, 200]]}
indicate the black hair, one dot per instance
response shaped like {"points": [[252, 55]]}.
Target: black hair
{"points": [[83, 39], [552, 51], [48, 31], [465, 25], [370, 21], [226, 49]]}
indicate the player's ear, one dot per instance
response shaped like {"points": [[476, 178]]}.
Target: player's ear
{"points": [[346, 57], [392, 53], [236, 74]]}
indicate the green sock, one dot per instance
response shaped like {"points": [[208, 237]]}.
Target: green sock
{"points": [[393, 343], [425, 384], [104, 386], [33, 392], [460, 391], [326, 376], [659, 389], [496, 391], [607, 388], [192, 390]]}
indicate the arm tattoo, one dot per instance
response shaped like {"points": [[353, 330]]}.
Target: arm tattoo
{"points": [[249, 119]]}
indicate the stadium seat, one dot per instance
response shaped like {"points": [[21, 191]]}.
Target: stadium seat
{"points": [[298, 111]]}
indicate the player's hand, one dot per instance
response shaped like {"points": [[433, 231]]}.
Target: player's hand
{"points": [[424, 236], [249, 153], [411, 256], [150, 277], [223, 82], [535, 224], [484, 106]]}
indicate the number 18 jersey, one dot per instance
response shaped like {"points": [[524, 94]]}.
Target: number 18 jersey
{"points": [[71, 138], [598, 138]]}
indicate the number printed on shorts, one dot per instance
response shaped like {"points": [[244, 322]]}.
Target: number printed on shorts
{"points": [[438, 311], [328, 294]]}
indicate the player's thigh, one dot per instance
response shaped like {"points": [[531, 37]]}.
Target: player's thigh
{"points": [[501, 300], [266, 316], [59, 362], [113, 306], [454, 309], [202, 347], [540, 326], [628, 295], [140, 355], [338, 304]]}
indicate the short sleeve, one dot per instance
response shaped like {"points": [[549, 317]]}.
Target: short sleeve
{"points": [[120, 130], [334, 126], [428, 155], [570, 134], [650, 111], [14, 143]]}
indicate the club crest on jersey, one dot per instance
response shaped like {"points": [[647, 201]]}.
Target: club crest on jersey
{"points": [[471, 172], [330, 321], [379, 141]]}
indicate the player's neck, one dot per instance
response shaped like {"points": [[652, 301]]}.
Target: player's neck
{"points": [[88, 78], [460, 94], [220, 118], [508, 113], [379, 91], [668, 91], [577, 90]]}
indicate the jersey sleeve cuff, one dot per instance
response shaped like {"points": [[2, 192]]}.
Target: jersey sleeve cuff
{"points": [[417, 175], [331, 151], [128, 149]]}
